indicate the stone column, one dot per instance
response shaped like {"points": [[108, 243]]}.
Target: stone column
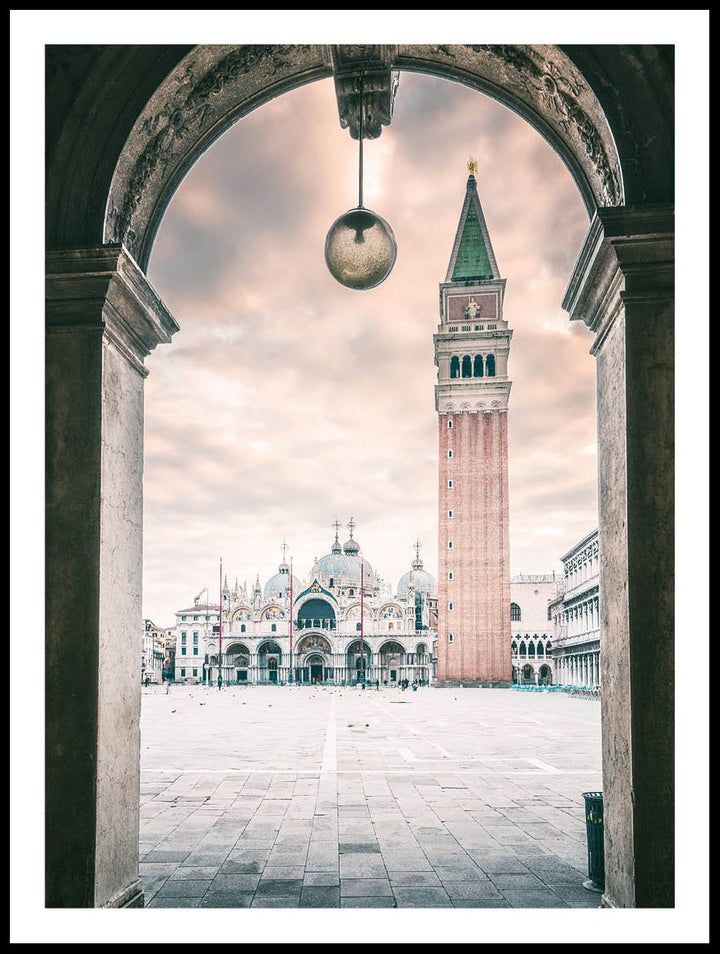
{"points": [[103, 319], [623, 289]]}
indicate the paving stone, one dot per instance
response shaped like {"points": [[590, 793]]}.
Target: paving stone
{"points": [[352, 902], [283, 902], [183, 889], [365, 887], [319, 896], [235, 881], [421, 897], [327, 878], [472, 890], [195, 873], [529, 898], [227, 899], [359, 865], [274, 888], [173, 902], [414, 879], [282, 872]]}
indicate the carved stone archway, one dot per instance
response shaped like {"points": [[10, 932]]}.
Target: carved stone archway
{"points": [[124, 125]]}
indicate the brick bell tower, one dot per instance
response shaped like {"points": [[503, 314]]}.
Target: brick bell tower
{"points": [[471, 397]]}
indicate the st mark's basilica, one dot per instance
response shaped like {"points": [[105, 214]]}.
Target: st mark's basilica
{"points": [[339, 624]]}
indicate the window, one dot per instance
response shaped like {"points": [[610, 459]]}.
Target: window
{"points": [[466, 327], [183, 637], [450, 575], [515, 614], [242, 627], [450, 607], [183, 651], [450, 513], [194, 672], [273, 628], [451, 637], [450, 484], [195, 650], [450, 546], [195, 638], [478, 366], [492, 327], [479, 327], [466, 367], [490, 365], [450, 423], [449, 453], [453, 327], [182, 672], [454, 370]]}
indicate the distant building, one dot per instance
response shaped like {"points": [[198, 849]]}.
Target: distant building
{"points": [[576, 616], [338, 625], [531, 622], [153, 653]]}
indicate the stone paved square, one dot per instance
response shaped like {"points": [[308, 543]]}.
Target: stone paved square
{"points": [[329, 797]]}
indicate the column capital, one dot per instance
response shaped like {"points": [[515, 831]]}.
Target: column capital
{"points": [[105, 289], [627, 256]]}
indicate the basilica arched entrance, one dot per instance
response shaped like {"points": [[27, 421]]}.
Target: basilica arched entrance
{"points": [[392, 662], [358, 663], [315, 668], [236, 663], [313, 660], [269, 661], [123, 127]]}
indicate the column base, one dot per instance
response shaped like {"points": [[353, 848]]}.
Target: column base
{"points": [[132, 897]]}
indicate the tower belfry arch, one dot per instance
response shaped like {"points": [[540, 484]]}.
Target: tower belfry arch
{"points": [[123, 126]]}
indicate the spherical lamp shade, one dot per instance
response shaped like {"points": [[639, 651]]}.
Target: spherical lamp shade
{"points": [[360, 249]]}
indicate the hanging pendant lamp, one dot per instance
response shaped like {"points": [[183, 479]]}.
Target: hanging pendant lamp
{"points": [[360, 247]]}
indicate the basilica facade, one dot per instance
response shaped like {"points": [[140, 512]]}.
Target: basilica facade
{"points": [[338, 625]]}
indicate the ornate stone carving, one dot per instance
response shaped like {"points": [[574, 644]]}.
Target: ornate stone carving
{"points": [[191, 109], [557, 92], [367, 67]]}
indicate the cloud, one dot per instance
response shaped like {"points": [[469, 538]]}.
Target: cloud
{"points": [[286, 400]]}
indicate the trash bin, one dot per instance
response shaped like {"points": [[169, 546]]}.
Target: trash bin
{"points": [[595, 841]]}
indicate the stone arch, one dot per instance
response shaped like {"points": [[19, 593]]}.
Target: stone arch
{"points": [[207, 88], [124, 125]]}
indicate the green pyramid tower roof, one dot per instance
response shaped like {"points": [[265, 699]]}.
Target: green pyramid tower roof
{"points": [[472, 256]]}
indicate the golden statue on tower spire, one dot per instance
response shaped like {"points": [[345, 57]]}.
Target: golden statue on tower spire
{"points": [[472, 166]]}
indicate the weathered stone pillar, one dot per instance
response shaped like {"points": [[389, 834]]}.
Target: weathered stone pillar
{"points": [[103, 319], [623, 289]]}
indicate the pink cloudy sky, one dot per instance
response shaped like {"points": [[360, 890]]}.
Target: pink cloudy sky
{"points": [[287, 400]]}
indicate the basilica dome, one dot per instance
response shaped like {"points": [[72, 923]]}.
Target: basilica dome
{"points": [[342, 565], [423, 581], [278, 586]]}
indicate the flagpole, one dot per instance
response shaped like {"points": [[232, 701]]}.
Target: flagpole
{"points": [[220, 678], [290, 674], [362, 621]]}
